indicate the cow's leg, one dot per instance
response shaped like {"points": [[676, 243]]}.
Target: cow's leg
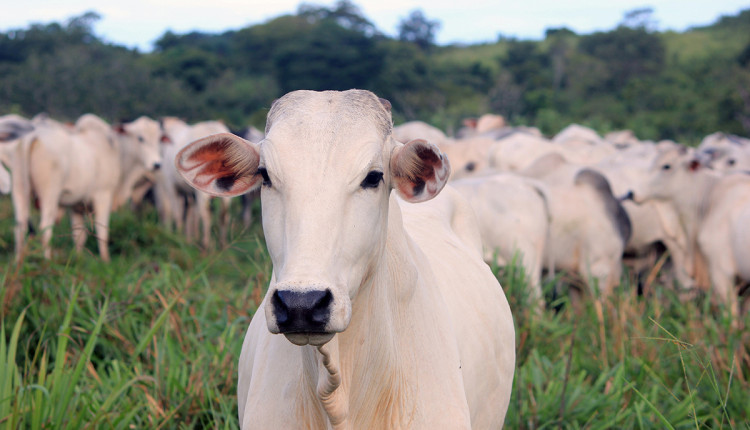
{"points": [[722, 286], [102, 206], [21, 210], [48, 208], [203, 205], [78, 229], [224, 219]]}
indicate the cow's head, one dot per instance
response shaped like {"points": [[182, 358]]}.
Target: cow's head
{"points": [[144, 136], [326, 168], [668, 175]]}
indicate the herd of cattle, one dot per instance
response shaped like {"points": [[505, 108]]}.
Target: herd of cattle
{"points": [[92, 166], [577, 202], [367, 282], [587, 204]]}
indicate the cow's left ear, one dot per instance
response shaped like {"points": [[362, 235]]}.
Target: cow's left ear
{"points": [[419, 170], [222, 165]]}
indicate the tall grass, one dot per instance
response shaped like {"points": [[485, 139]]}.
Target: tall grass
{"points": [[152, 340]]}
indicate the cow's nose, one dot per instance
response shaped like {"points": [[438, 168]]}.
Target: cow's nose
{"points": [[302, 311], [157, 166]]}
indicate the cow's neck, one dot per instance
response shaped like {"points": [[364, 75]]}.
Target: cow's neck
{"points": [[692, 206], [361, 373]]}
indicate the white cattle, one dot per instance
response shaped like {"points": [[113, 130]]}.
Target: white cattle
{"points": [[622, 139], [653, 221], [138, 162], [12, 128], [419, 130], [468, 156], [391, 320], [724, 237], [713, 209], [513, 221], [179, 204], [725, 152], [519, 150], [488, 123], [76, 168], [589, 227]]}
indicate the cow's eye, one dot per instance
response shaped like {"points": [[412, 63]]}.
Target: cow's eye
{"points": [[141, 139], [372, 180], [731, 162], [666, 167], [264, 173]]}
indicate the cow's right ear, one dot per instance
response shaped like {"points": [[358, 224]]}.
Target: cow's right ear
{"points": [[222, 165]]}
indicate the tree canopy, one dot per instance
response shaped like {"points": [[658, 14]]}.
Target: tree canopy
{"points": [[660, 85]]}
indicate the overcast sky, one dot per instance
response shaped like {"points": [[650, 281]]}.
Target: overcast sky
{"points": [[138, 23]]}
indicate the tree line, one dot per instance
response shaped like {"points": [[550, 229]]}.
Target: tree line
{"points": [[658, 84]]}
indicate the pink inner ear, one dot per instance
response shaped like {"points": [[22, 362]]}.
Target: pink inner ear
{"points": [[210, 158]]}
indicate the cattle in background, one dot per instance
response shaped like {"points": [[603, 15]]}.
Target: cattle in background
{"points": [[589, 227], [178, 203], [485, 125], [419, 130], [468, 156], [391, 320], [79, 168], [725, 152], [138, 161], [714, 210], [513, 220], [12, 128], [654, 222]]}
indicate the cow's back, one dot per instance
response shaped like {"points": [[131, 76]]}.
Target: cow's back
{"points": [[479, 310]]}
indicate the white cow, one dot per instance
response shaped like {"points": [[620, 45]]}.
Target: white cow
{"points": [[468, 156], [76, 168], [725, 152], [139, 161], [172, 191], [12, 128], [419, 130], [714, 210], [653, 221], [724, 237], [390, 320], [513, 220], [589, 227]]}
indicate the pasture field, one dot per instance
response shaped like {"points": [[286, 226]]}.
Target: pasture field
{"points": [[152, 341]]}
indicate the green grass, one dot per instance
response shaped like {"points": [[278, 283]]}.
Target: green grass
{"points": [[152, 340]]}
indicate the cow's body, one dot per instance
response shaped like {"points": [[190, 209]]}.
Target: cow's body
{"points": [[513, 220], [399, 323], [77, 168], [714, 210], [589, 227]]}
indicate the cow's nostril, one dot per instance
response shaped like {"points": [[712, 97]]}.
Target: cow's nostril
{"points": [[302, 311], [321, 311]]}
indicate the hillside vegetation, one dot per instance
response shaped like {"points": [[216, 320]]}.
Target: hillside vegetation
{"points": [[660, 84]]}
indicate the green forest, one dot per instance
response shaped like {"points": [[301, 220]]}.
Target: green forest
{"points": [[662, 85]]}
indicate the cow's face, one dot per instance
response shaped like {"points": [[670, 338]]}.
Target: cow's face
{"points": [[145, 135], [668, 175], [326, 169]]}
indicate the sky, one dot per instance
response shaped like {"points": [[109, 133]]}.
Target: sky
{"points": [[139, 23]]}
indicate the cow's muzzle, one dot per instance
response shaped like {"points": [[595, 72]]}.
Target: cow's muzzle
{"points": [[302, 311]]}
